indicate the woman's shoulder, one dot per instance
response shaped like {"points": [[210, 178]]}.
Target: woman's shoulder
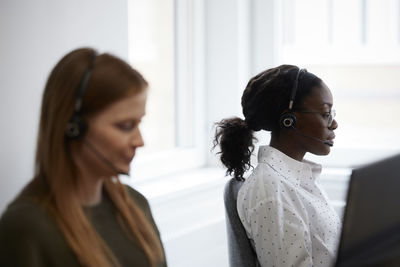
{"points": [[24, 228], [263, 176], [138, 197], [27, 208], [142, 202], [30, 237], [264, 185], [24, 216]]}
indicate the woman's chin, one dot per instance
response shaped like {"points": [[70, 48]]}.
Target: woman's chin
{"points": [[327, 151], [125, 170], [322, 152]]}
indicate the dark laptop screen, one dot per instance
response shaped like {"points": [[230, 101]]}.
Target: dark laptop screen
{"points": [[371, 226]]}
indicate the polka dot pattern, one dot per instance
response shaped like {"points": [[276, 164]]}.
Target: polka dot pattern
{"points": [[286, 214]]}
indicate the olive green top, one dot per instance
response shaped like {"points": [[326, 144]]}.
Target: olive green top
{"points": [[30, 237]]}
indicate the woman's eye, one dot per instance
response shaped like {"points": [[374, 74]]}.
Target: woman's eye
{"points": [[326, 115], [126, 126]]}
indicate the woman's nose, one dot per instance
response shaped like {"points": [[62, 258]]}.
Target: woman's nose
{"points": [[334, 125], [137, 139]]}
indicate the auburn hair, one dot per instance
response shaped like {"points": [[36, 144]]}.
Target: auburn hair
{"points": [[111, 79]]}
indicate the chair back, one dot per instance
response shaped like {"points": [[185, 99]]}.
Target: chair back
{"points": [[240, 250]]}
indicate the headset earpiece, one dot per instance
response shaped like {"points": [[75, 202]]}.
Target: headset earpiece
{"points": [[76, 127], [287, 120]]}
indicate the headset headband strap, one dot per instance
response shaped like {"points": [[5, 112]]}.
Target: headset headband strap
{"points": [[294, 89], [82, 87]]}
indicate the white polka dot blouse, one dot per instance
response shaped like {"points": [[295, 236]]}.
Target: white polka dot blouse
{"points": [[286, 214]]}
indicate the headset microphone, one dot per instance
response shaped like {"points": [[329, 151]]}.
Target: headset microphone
{"points": [[325, 142], [104, 159]]}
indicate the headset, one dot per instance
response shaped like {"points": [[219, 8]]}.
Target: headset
{"points": [[288, 119], [76, 126]]}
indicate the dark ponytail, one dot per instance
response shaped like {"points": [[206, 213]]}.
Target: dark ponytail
{"points": [[235, 139]]}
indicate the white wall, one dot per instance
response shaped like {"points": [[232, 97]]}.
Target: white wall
{"points": [[34, 36], [222, 60], [241, 40]]}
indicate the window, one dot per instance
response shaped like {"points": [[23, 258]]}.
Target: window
{"points": [[162, 47], [178, 26], [151, 51], [354, 46]]}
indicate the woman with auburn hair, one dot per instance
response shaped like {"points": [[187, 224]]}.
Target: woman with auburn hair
{"points": [[283, 210], [75, 211]]}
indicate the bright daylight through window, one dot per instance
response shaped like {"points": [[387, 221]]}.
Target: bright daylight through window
{"points": [[355, 47], [151, 51]]}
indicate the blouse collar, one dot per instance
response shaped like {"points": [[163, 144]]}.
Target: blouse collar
{"points": [[298, 172]]}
